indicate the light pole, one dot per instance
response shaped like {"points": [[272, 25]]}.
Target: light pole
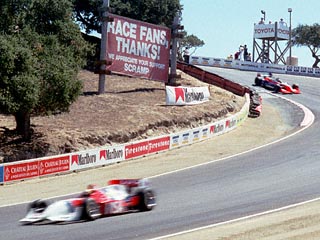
{"points": [[290, 52], [264, 15], [263, 41]]}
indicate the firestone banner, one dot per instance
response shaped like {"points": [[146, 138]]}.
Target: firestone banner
{"points": [[138, 48], [186, 95]]}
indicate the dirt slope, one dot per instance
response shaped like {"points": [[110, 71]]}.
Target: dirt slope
{"points": [[130, 109]]}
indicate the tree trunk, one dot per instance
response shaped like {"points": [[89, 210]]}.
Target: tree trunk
{"points": [[315, 64], [317, 59], [23, 125]]}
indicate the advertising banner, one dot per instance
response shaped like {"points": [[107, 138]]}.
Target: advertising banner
{"points": [[54, 165], [231, 123], [205, 133], [186, 95], [217, 128], [146, 147], [176, 140], [186, 137], [159, 144], [1, 174], [196, 60], [283, 32], [264, 31], [196, 135], [20, 171], [112, 154], [138, 48], [269, 31], [84, 159]]}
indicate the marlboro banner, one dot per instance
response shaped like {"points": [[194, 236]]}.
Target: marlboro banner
{"points": [[138, 48], [186, 95]]}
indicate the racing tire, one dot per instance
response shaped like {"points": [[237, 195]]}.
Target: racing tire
{"points": [[38, 206], [147, 200], [91, 210], [295, 86]]}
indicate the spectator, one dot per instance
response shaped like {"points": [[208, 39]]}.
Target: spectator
{"points": [[186, 55], [241, 55], [245, 52], [249, 57], [261, 21], [236, 55], [282, 23]]}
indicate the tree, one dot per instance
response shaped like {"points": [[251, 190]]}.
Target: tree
{"points": [[309, 36], [191, 42], [41, 52], [159, 12]]}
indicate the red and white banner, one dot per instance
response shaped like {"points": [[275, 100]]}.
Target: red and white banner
{"points": [[138, 48], [186, 95], [54, 165], [20, 171], [146, 147]]}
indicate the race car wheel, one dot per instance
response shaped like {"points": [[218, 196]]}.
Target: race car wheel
{"points": [[91, 210], [38, 206], [147, 200]]}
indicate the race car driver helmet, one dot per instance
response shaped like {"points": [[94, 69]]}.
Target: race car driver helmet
{"points": [[90, 188]]}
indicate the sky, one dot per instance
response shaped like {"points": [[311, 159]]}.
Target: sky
{"points": [[224, 25]]}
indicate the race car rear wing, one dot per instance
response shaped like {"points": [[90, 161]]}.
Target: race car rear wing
{"points": [[144, 182]]}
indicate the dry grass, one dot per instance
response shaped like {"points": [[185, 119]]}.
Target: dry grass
{"points": [[131, 109]]}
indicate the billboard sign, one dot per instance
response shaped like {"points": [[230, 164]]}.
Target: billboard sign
{"points": [[269, 31], [20, 171], [186, 95], [54, 165], [142, 148], [138, 48]]}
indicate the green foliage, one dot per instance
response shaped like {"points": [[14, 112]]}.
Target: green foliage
{"points": [[159, 12], [309, 36], [42, 50], [191, 42], [19, 88], [305, 35]]}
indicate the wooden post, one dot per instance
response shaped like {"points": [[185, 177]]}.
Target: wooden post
{"points": [[173, 69], [103, 46]]}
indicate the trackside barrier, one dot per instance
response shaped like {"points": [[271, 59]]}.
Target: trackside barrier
{"points": [[253, 66], [213, 79], [77, 161]]}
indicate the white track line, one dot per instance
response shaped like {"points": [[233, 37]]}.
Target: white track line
{"points": [[236, 220], [307, 122]]}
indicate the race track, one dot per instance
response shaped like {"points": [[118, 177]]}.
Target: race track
{"points": [[275, 176]]}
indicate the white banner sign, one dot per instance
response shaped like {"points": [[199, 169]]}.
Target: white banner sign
{"points": [[269, 31], [186, 95]]}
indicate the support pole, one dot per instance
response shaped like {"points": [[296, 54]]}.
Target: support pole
{"points": [[174, 49], [290, 36], [103, 50]]}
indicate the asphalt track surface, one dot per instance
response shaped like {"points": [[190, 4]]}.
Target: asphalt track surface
{"points": [[271, 177]]}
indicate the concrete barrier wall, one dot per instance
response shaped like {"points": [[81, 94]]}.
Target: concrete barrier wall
{"points": [[252, 66]]}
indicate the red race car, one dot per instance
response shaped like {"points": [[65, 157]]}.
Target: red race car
{"points": [[269, 82], [285, 88], [119, 196]]}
